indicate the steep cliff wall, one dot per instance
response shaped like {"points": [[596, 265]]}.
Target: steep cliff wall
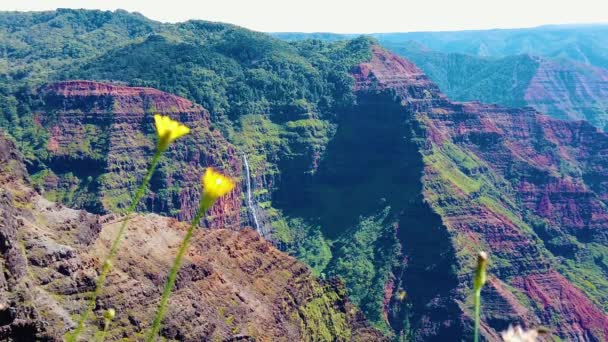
{"points": [[527, 188], [101, 141]]}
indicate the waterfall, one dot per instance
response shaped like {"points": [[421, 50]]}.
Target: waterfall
{"points": [[250, 204]]}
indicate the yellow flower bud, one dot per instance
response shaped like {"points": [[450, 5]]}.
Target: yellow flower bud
{"points": [[215, 185], [168, 130], [109, 314], [480, 272]]}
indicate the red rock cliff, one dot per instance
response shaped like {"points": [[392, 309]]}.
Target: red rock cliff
{"points": [[101, 141]]}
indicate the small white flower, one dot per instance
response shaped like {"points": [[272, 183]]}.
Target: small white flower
{"points": [[518, 334]]}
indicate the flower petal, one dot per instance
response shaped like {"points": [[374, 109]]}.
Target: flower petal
{"points": [[216, 185], [168, 130]]}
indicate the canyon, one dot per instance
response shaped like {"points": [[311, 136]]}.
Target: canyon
{"points": [[348, 158]]}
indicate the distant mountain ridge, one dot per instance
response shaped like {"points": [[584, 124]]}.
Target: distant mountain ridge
{"points": [[561, 88], [586, 43], [583, 43], [561, 70]]}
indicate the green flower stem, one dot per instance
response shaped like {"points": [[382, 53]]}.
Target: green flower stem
{"points": [[106, 325], [107, 264], [162, 307], [478, 281], [477, 309]]}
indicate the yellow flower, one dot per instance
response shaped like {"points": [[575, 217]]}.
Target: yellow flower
{"points": [[215, 185], [168, 130], [517, 334]]}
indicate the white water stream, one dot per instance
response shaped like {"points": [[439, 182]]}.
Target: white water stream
{"points": [[250, 204]]}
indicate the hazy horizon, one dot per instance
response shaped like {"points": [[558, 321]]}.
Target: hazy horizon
{"points": [[317, 16]]}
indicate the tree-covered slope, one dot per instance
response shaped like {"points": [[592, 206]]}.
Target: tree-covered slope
{"points": [[232, 71], [35, 43], [558, 70], [469, 78], [275, 102]]}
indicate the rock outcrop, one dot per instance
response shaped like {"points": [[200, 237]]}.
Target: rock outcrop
{"points": [[232, 285], [101, 140], [528, 188]]}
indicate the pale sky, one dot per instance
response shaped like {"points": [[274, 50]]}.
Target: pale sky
{"points": [[343, 16]]}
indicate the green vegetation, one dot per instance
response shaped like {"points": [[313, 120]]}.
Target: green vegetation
{"points": [[507, 80], [305, 242], [16, 119], [451, 171], [582, 43], [588, 270], [256, 132], [275, 101], [319, 321], [470, 78], [584, 264], [234, 72], [365, 261]]}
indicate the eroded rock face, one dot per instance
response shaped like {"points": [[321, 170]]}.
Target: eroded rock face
{"points": [[386, 71], [232, 285], [102, 138], [570, 90], [529, 189]]}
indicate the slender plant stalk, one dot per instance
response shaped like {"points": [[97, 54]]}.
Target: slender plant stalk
{"points": [[106, 325], [107, 264], [478, 281], [162, 307], [477, 309]]}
